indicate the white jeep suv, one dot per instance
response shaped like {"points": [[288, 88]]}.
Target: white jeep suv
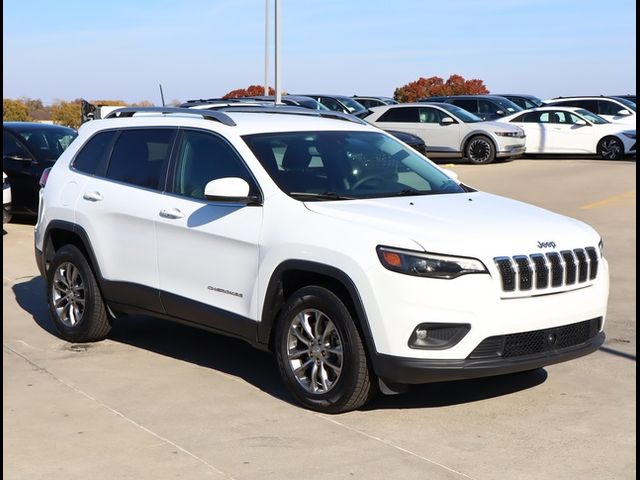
{"points": [[356, 260]]}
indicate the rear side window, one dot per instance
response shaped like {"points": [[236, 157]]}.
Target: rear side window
{"points": [[94, 152], [139, 156], [402, 115], [468, 105]]}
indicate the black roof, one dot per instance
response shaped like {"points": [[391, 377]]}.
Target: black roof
{"points": [[24, 126]]}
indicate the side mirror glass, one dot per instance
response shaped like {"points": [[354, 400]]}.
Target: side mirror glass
{"points": [[229, 189], [624, 111], [500, 112], [581, 122], [447, 121]]}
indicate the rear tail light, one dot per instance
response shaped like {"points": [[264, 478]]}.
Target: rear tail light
{"points": [[44, 177]]}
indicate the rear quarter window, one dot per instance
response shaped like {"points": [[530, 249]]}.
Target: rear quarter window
{"points": [[94, 153]]}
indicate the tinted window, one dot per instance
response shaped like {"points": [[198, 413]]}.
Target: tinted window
{"points": [[609, 108], [93, 152], [468, 105], [139, 155], [331, 104], [47, 143], [12, 148], [591, 105], [402, 114], [203, 157], [534, 117], [485, 106]]}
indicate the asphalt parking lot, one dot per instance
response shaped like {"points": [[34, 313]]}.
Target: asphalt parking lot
{"points": [[158, 400]]}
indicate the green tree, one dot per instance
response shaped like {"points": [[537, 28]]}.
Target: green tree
{"points": [[15, 111], [66, 113]]}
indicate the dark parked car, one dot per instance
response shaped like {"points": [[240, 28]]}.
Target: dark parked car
{"points": [[370, 102], [410, 139], [27, 150], [523, 100], [296, 100], [631, 98], [487, 107], [340, 103]]}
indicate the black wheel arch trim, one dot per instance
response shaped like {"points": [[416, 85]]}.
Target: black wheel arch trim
{"points": [[273, 294]]}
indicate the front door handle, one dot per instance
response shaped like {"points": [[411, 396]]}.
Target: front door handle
{"points": [[93, 196], [172, 213]]}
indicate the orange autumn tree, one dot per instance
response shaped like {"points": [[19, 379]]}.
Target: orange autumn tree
{"points": [[250, 91], [427, 87]]}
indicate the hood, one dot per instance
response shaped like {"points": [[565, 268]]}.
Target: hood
{"points": [[501, 126], [474, 224]]}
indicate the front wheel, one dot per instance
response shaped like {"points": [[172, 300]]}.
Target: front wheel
{"points": [[480, 150], [75, 302], [320, 353], [610, 148]]}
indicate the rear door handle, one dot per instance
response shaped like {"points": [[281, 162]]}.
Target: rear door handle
{"points": [[93, 196], [172, 213]]}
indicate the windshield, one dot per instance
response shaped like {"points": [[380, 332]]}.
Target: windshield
{"points": [[592, 117], [312, 104], [462, 114], [508, 105], [627, 103], [346, 165], [351, 104], [47, 143]]}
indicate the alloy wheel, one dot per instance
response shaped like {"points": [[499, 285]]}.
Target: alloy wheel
{"points": [[68, 293]]}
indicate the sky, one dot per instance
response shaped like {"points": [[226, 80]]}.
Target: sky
{"points": [[122, 50]]}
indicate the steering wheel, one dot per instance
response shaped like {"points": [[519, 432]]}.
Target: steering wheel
{"points": [[366, 179]]}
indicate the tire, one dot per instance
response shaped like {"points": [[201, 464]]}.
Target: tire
{"points": [[610, 148], [329, 389], [480, 150], [74, 299]]}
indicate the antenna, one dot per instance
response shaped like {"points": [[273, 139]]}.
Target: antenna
{"points": [[162, 95]]}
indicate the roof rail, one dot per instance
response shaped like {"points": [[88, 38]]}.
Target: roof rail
{"points": [[289, 110], [206, 114]]}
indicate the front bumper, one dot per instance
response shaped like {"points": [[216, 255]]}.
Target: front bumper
{"points": [[511, 151], [403, 370]]}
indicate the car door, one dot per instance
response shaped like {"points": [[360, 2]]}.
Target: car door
{"points": [[118, 206], [534, 126], [404, 119], [567, 136], [18, 163], [489, 110], [438, 135], [208, 250]]}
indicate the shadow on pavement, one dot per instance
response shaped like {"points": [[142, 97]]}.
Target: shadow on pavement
{"points": [[236, 357]]}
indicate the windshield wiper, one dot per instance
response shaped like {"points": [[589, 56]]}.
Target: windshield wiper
{"points": [[407, 192], [319, 196]]}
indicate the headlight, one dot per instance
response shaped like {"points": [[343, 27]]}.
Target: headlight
{"points": [[601, 248], [631, 135], [519, 134], [428, 264]]}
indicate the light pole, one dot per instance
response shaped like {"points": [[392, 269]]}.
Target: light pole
{"points": [[277, 54], [266, 47]]}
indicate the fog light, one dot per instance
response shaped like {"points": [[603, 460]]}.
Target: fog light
{"points": [[438, 336]]}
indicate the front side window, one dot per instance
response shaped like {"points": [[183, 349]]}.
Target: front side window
{"points": [[485, 106], [400, 115], [430, 115], [12, 147], [331, 104], [139, 156], [346, 165], [606, 107], [203, 157], [94, 152]]}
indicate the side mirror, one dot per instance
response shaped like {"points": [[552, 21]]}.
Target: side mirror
{"points": [[450, 173], [500, 112], [229, 189], [624, 111], [581, 122], [447, 121]]}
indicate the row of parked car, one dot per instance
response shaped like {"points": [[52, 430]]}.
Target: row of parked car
{"points": [[480, 128]]}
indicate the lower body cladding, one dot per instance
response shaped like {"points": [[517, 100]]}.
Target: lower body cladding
{"points": [[431, 330], [510, 150]]}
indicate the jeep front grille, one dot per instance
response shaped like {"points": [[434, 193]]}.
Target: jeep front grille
{"points": [[554, 269]]}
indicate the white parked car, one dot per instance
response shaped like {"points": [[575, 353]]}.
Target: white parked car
{"points": [[353, 258], [612, 109], [573, 130], [450, 131], [6, 199]]}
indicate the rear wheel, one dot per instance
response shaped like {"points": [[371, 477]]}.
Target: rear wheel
{"points": [[320, 353], [75, 302], [480, 150], [610, 148]]}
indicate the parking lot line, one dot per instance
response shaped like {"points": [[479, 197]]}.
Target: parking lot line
{"points": [[620, 200]]}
